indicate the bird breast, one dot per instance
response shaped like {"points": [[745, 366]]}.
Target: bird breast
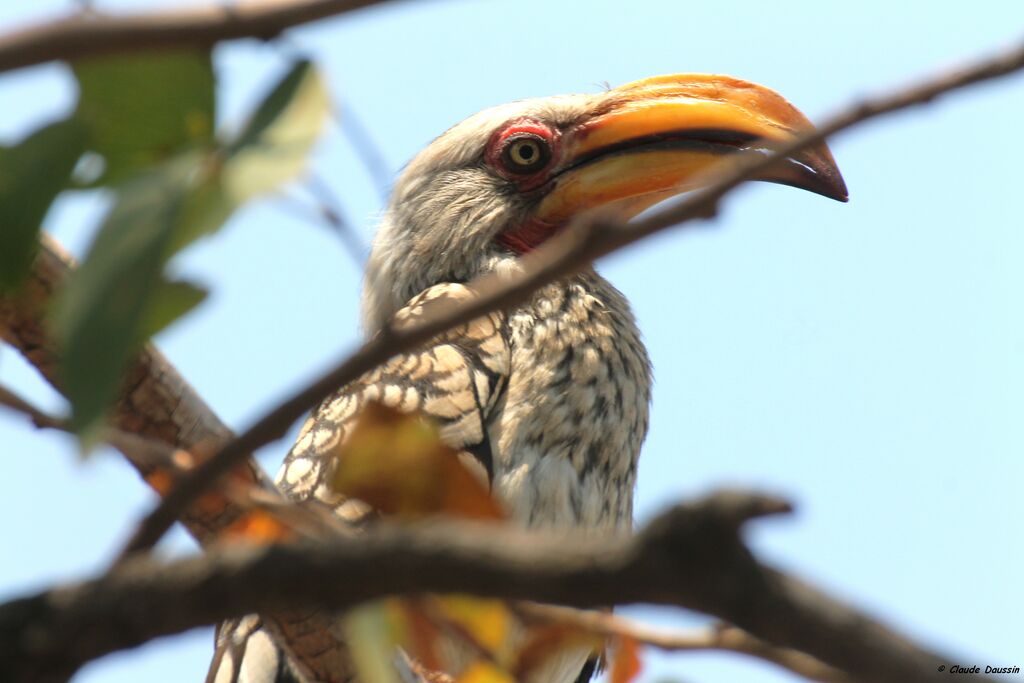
{"points": [[576, 409]]}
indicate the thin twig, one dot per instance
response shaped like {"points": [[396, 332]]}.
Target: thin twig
{"points": [[366, 149], [721, 636], [40, 418], [330, 210], [572, 250], [146, 453], [321, 213], [78, 36]]}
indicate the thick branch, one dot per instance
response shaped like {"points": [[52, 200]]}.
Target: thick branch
{"points": [[690, 557], [91, 34], [569, 252], [157, 407], [156, 403]]}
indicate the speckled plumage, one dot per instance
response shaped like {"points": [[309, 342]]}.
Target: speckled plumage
{"points": [[569, 432], [550, 400]]}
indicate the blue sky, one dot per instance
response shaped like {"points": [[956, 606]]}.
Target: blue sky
{"points": [[866, 359]]}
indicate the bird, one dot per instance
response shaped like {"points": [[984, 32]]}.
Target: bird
{"points": [[547, 401]]}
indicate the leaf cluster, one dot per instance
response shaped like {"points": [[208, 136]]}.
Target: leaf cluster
{"points": [[143, 130]]}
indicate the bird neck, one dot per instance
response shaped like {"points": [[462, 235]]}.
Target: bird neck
{"points": [[391, 282]]}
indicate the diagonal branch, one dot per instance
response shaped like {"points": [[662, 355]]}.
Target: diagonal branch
{"points": [[157, 405], [91, 34], [571, 251], [160, 424], [691, 556]]}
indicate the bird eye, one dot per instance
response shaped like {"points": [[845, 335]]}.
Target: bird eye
{"points": [[526, 153]]}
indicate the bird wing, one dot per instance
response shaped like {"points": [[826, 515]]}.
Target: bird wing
{"points": [[457, 379]]}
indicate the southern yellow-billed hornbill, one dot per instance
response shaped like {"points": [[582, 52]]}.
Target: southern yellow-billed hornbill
{"points": [[550, 399]]}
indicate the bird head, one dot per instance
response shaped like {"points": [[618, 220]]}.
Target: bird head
{"points": [[503, 181]]}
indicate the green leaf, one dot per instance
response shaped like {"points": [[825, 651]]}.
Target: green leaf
{"points": [[173, 187], [144, 108], [205, 209], [370, 636], [170, 301], [274, 146], [119, 294], [32, 174]]}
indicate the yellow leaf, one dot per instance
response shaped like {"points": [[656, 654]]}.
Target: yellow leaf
{"points": [[486, 621], [484, 672], [397, 463]]}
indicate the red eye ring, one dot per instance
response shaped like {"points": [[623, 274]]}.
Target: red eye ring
{"points": [[522, 149]]}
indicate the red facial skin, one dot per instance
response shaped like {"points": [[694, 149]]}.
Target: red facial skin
{"points": [[530, 235], [526, 237]]}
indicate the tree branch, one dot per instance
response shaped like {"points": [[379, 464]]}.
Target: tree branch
{"points": [[165, 416], [39, 417], [146, 453], [91, 34], [691, 557], [157, 404], [572, 250], [723, 637], [162, 427]]}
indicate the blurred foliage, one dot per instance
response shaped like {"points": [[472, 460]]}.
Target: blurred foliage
{"points": [[144, 109], [397, 463], [273, 148], [32, 173], [625, 662], [145, 124], [101, 315]]}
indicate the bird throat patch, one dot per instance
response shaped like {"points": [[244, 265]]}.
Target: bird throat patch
{"points": [[528, 236]]}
